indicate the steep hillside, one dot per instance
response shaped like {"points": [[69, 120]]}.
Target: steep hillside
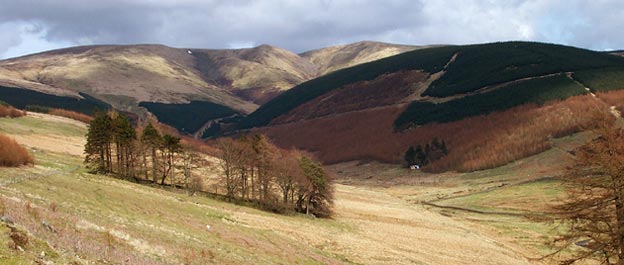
{"points": [[619, 53], [453, 72], [126, 76], [69, 216], [122, 76], [378, 109], [255, 74], [342, 56]]}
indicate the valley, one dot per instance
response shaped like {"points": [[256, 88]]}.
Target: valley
{"points": [[380, 216], [488, 196]]}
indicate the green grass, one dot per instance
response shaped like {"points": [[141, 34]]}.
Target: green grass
{"points": [[32, 125], [513, 198], [153, 220], [539, 90], [31, 253], [601, 79]]}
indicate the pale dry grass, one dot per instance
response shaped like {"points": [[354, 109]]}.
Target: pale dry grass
{"points": [[46, 140], [104, 219], [142, 73], [342, 56]]}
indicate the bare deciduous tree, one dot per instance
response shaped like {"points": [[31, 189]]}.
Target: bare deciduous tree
{"points": [[594, 209]]}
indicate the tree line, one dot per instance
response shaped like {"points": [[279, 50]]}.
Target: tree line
{"points": [[254, 169], [423, 156], [251, 169], [114, 146]]}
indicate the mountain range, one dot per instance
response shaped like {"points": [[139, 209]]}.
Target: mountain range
{"points": [[489, 103], [125, 75]]}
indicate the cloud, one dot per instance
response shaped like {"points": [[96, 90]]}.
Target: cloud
{"points": [[303, 25]]}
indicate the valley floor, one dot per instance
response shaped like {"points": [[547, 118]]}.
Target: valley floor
{"points": [[71, 216]]}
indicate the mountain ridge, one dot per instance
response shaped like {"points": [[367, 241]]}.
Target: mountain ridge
{"points": [[126, 75]]}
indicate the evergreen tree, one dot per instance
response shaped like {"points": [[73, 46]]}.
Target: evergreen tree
{"points": [[421, 156], [98, 146], [124, 136], [152, 140], [410, 156], [319, 195], [169, 148]]}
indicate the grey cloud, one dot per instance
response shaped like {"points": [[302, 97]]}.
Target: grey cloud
{"points": [[303, 25]]}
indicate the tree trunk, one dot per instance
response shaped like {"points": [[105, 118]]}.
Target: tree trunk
{"points": [[154, 165], [253, 191], [619, 209]]}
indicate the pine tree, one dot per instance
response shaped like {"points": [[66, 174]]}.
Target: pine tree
{"points": [[152, 140], [124, 136], [410, 156], [170, 147], [421, 156], [319, 196], [98, 146]]}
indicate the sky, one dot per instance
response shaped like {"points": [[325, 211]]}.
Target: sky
{"points": [[30, 26]]}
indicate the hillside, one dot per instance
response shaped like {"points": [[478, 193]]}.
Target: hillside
{"points": [[342, 56], [71, 216], [124, 76], [378, 109]]}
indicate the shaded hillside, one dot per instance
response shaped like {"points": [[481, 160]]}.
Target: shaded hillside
{"points": [[478, 66], [342, 56], [429, 60], [453, 72], [26, 99], [466, 95], [539, 90], [188, 118]]}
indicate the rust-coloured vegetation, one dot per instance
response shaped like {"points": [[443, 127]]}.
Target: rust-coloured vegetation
{"points": [[12, 154], [386, 89], [11, 112], [613, 98], [71, 114], [474, 143]]}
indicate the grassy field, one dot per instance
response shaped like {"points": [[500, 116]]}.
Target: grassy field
{"points": [[380, 216], [509, 204]]}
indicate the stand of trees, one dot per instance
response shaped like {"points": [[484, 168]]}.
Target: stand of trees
{"points": [[114, 147], [594, 210], [256, 170], [252, 168], [423, 156]]}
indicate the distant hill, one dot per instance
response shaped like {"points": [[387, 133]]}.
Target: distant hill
{"points": [[392, 98], [126, 75], [342, 56], [618, 53], [450, 72]]}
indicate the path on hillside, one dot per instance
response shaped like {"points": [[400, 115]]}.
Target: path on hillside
{"points": [[33, 176], [612, 109], [435, 202]]}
